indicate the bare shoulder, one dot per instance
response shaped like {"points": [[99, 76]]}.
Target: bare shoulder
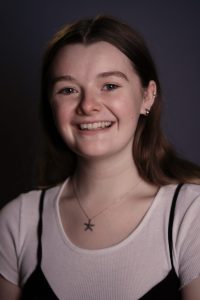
{"points": [[9, 290]]}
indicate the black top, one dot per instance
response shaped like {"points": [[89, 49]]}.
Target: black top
{"points": [[38, 288]]}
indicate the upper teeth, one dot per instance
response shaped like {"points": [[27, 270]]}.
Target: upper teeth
{"points": [[95, 125]]}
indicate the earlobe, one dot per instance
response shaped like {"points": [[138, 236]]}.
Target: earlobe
{"points": [[147, 111], [149, 96]]}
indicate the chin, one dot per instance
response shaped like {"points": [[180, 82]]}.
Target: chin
{"points": [[93, 154]]}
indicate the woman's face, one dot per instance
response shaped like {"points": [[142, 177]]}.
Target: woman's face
{"points": [[97, 98]]}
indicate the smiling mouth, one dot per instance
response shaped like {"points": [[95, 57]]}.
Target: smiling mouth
{"points": [[95, 125]]}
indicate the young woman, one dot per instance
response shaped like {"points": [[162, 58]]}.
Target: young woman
{"points": [[121, 218]]}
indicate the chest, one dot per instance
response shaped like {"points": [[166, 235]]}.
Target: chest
{"points": [[104, 228]]}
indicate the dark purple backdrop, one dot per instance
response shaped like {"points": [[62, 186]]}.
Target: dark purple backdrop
{"points": [[172, 30]]}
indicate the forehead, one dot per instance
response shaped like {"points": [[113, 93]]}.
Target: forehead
{"points": [[96, 57]]}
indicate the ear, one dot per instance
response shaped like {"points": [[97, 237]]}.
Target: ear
{"points": [[149, 95]]}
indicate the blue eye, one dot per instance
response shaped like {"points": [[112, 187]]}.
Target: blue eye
{"points": [[110, 86], [67, 91]]}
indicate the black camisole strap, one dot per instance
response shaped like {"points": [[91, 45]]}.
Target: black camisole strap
{"points": [[40, 228], [37, 286], [171, 221], [168, 288]]}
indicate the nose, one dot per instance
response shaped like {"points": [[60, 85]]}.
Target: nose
{"points": [[89, 104]]}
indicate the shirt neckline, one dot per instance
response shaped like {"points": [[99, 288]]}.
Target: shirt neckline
{"points": [[113, 248]]}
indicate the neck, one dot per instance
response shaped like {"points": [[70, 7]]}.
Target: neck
{"points": [[105, 180]]}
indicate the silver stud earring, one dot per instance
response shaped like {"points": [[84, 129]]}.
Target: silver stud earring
{"points": [[147, 111]]}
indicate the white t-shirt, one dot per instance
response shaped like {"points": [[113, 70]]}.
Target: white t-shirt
{"points": [[124, 271]]}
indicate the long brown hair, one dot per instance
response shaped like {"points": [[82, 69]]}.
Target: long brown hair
{"points": [[155, 159]]}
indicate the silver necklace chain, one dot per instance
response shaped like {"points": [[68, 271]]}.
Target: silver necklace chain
{"points": [[89, 225]]}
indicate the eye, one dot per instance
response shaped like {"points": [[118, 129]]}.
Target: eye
{"points": [[67, 91], [110, 86]]}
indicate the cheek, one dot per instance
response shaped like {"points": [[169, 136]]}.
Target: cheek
{"points": [[61, 114], [62, 119], [127, 108]]}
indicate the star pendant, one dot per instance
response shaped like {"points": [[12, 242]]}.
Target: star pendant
{"points": [[88, 225]]}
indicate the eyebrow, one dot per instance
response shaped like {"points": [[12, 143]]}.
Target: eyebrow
{"points": [[101, 75], [62, 78], [113, 73]]}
